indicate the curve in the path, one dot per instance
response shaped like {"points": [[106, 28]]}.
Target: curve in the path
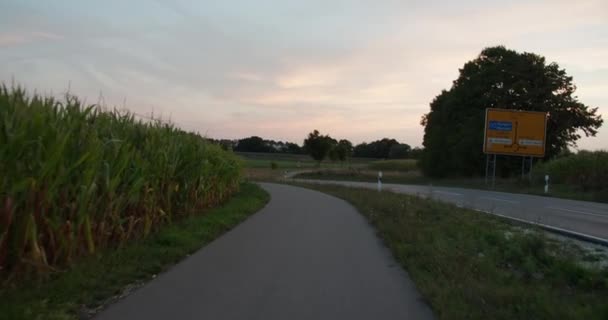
{"points": [[306, 255]]}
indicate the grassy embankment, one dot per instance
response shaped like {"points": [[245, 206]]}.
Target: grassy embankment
{"points": [[471, 265], [581, 177], [76, 183]]}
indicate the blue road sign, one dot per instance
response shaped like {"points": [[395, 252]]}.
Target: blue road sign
{"points": [[501, 125]]}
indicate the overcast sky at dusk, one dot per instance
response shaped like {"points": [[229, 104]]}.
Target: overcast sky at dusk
{"points": [[360, 70]]}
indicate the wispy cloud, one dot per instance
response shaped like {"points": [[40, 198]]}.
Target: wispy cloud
{"points": [[279, 69], [18, 38]]}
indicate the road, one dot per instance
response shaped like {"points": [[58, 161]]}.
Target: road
{"points": [[306, 255], [581, 217]]}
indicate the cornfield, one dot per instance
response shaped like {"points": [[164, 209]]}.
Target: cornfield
{"points": [[75, 179]]}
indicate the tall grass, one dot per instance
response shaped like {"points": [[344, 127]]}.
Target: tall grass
{"points": [[587, 170], [75, 179]]}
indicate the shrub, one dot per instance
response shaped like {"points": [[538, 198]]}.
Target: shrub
{"points": [[585, 169]]}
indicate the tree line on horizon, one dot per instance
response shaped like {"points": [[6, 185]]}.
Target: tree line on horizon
{"points": [[454, 127], [385, 148], [320, 146]]}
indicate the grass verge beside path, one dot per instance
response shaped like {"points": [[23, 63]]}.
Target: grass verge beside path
{"points": [[74, 293], [403, 165], [471, 265]]}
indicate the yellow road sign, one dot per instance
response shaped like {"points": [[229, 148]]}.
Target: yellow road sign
{"points": [[514, 132]]}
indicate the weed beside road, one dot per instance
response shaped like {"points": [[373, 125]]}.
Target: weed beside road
{"points": [[471, 265], [79, 290]]}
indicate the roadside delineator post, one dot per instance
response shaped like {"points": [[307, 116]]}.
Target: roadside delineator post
{"points": [[546, 183], [379, 181]]}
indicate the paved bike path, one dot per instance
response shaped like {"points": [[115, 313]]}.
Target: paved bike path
{"points": [[306, 255]]}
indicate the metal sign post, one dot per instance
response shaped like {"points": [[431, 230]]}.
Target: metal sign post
{"points": [[530, 171], [491, 169], [525, 161], [494, 173], [487, 167]]}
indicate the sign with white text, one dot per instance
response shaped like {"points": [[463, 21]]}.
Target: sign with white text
{"points": [[515, 132]]}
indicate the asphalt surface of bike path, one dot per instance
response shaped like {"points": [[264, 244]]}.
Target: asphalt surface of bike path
{"points": [[306, 255]]}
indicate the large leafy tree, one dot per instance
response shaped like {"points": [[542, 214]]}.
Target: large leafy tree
{"points": [[293, 148], [399, 151], [341, 150], [501, 78], [318, 146]]}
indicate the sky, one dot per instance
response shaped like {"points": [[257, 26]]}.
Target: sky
{"points": [[360, 70]]}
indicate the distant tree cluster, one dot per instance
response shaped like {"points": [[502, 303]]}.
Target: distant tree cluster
{"points": [[387, 149], [257, 144], [501, 78], [320, 146], [341, 151], [416, 153], [383, 149]]}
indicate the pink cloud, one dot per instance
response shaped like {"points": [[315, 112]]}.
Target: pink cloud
{"points": [[18, 38]]}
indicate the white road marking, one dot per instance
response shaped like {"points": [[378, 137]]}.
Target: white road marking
{"points": [[449, 193], [581, 212], [546, 226], [499, 199]]}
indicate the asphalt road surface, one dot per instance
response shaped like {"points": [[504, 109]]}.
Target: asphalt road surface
{"points": [[306, 255], [582, 217]]}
